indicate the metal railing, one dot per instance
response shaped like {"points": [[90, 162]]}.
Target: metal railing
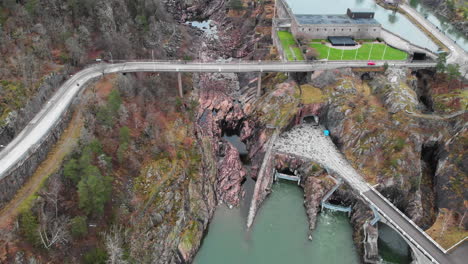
{"points": [[406, 218], [399, 229]]}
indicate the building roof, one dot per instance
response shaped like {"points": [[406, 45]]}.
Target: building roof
{"points": [[361, 10], [333, 19], [341, 41]]}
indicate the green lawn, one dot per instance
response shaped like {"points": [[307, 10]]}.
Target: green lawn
{"points": [[376, 51], [290, 48]]}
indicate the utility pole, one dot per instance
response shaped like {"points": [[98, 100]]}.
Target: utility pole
{"points": [[112, 59]]}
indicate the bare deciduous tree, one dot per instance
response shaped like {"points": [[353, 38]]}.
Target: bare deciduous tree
{"points": [[75, 50], [114, 246], [53, 231]]}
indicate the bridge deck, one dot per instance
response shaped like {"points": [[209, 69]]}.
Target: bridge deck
{"points": [[412, 233]]}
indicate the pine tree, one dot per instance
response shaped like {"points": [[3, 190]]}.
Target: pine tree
{"points": [[441, 62], [94, 191]]}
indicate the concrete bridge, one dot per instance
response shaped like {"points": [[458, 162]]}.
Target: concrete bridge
{"points": [[31, 137], [309, 142]]}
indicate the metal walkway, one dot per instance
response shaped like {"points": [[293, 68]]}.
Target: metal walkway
{"points": [[288, 177], [334, 207]]}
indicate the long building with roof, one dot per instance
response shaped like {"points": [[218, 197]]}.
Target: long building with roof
{"points": [[358, 24]]}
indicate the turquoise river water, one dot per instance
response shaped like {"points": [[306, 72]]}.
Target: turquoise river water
{"points": [[279, 235]]}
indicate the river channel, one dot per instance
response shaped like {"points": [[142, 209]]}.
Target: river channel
{"points": [[279, 234]]}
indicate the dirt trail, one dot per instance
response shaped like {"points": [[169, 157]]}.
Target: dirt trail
{"points": [[60, 150]]}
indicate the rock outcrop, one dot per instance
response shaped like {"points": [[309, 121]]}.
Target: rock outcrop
{"points": [[314, 191], [231, 174]]}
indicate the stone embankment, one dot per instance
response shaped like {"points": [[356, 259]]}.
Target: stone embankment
{"points": [[17, 120], [18, 175]]}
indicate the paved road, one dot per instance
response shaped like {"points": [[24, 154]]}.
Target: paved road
{"points": [[309, 142], [457, 54], [31, 136]]}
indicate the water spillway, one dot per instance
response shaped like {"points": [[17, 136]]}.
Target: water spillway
{"points": [[279, 234]]}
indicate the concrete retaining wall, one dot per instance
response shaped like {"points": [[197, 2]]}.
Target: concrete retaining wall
{"points": [[277, 44], [324, 31], [19, 120], [16, 177], [400, 43]]}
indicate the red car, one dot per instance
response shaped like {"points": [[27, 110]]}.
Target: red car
{"points": [[370, 63]]}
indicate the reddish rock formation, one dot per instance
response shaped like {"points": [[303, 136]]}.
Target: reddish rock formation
{"points": [[231, 173], [314, 191]]}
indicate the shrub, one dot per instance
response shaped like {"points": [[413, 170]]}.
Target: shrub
{"points": [[236, 5], [71, 171], [31, 7], [95, 256], [315, 168], [399, 144], [79, 227], [29, 227]]}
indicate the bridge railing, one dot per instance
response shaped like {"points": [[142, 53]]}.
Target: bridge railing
{"points": [[407, 218], [408, 237], [350, 63]]}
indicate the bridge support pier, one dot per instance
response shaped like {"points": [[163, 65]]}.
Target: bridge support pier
{"points": [[259, 85], [179, 79]]}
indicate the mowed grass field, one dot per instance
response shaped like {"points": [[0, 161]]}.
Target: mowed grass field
{"points": [[376, 52], [291, 51]]}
